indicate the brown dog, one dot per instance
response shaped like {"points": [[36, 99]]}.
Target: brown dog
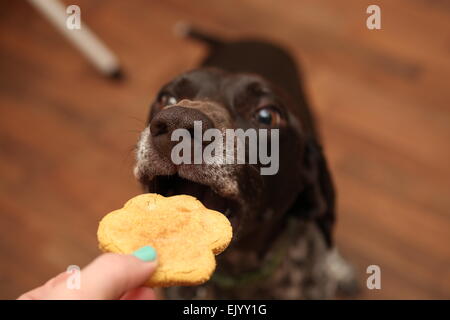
{"points": [[283, 244]]}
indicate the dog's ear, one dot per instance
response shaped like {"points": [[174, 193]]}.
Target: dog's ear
{"points": [[316, 201]]}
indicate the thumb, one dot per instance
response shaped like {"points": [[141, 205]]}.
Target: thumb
{"points": [[111, 275]]}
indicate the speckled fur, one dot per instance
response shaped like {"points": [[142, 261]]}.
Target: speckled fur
{"points": [[309, 270]]}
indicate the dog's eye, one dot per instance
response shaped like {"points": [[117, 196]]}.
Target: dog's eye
{"points": [[268, 116], [167, 99]]}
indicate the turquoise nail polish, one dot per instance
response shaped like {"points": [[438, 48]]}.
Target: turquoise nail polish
{"points": [[146, 253]]}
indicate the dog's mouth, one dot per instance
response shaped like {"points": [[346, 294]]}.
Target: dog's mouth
{"points": [[170, 185]]}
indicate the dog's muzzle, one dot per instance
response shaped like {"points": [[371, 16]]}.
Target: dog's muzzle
{"points": [[172, 118]]}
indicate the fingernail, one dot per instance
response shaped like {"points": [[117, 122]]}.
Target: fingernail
{"points": [[146, 253]]}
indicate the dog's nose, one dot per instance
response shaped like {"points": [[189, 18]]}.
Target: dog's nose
{"points": [[172, 118]]}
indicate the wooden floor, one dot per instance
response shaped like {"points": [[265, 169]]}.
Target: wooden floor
{"points": [[382, 99]]}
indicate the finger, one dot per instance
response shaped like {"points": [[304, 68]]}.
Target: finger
{"points": [[141, 293], [110, 276], [43, 291]]}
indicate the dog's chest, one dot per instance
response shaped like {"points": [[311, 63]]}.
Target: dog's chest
{"points": [[294, 269]]}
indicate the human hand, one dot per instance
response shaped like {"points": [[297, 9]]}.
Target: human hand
{"points": [[110, 276]]}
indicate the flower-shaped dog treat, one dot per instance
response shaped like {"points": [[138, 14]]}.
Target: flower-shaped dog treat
{"points": [[185, 234]]}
